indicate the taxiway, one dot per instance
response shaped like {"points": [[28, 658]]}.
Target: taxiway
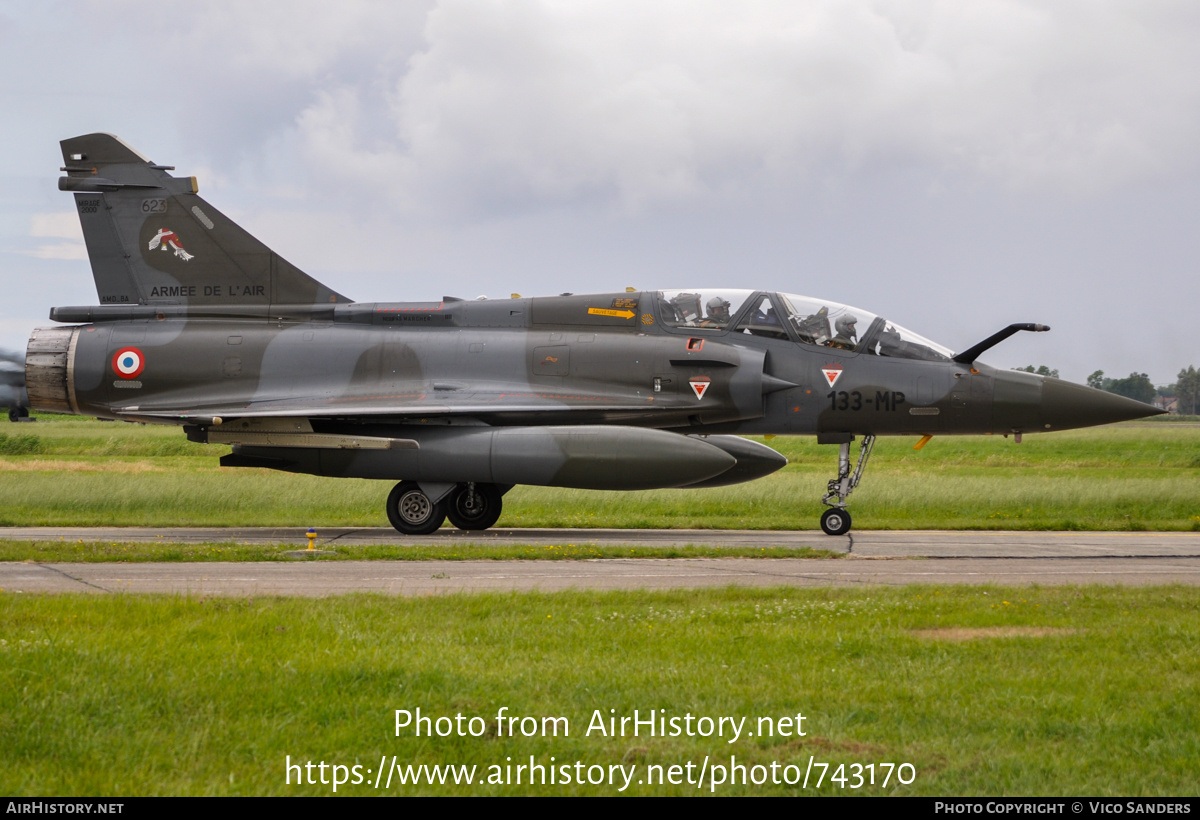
{"points": [[873, 558]]}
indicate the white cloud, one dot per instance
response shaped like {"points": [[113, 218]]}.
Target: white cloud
{"points": [[59, 250], [469, 107], [59, 225], [533, 104], [56, 225], [913, 156]]}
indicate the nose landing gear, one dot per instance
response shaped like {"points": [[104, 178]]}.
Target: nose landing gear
{"points": [[836, 521]]}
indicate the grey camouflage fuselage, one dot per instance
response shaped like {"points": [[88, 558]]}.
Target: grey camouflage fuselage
{"points": [[201, 325]]}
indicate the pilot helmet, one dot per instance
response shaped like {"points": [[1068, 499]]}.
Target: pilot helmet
{"points": [[718, 307], [845, 326]]}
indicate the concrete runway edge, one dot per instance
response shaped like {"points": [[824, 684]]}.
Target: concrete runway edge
{"points": [[874, 558]]}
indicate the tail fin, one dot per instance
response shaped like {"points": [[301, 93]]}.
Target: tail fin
{"points": [[152, 240]]}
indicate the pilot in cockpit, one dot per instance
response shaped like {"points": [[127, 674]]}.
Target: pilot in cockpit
{"points": [[846, 334], [718, 313]]}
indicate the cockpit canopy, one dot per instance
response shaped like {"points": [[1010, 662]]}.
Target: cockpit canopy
{"points": [[790, 317]]}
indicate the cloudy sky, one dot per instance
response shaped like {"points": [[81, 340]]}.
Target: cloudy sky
{"points": [[952, 166]]}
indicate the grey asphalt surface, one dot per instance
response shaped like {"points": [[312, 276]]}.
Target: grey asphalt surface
{"points": [[866, 544], [874, 558]]}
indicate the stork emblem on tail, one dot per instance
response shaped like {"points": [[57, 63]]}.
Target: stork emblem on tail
{"points": [[168, 240]]}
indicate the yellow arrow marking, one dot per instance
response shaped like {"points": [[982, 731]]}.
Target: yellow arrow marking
{"points": [[624, 314]]}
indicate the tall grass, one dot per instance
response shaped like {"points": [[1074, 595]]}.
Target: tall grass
{"points": [[996, 691], [1137, 476]]}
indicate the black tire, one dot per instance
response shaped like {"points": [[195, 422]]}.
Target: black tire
{"points": [[411, 512], [474, 506], [835, 521], [17, 413]]}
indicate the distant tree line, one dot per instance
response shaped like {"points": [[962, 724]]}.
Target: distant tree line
{"points": [[1138, 386], [1187, 390], [1135, 386], [1041, 370]]}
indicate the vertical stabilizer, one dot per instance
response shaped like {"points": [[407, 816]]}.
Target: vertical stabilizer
{"points": [[152, 240]]}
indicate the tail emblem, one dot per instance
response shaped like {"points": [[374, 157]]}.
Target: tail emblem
{"points": [[168, 240]]}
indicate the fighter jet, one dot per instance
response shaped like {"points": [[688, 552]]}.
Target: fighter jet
{"points": [[201, 325], [12, 386]]}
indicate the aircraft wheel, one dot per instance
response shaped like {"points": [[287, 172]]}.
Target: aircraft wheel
{"points": [[411, 512], [17, 413], [835, 521], [474, 506]]}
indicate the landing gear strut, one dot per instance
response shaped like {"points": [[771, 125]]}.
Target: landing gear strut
{"points": [[469, 506], [836, 521], [474, 506]]}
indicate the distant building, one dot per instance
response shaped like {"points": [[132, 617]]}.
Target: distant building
{"points": [[1168, 403]]}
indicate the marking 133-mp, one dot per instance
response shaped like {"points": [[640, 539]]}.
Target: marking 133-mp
{"points": [[853, 400]]}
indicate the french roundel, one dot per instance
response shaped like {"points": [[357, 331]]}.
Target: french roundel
{"points": [[128, 363]]}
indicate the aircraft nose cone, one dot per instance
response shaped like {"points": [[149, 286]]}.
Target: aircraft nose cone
{"points": [[1065, 405]]}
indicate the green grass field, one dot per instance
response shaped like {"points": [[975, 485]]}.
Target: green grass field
{"points": [[1141, 476], [984, 691], [1031, 691]]}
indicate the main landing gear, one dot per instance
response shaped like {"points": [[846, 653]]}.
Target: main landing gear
{"points": [[469, 506], [835, 520]]}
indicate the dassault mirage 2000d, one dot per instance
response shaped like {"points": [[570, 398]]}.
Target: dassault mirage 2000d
{"points": [[201, 325]]}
